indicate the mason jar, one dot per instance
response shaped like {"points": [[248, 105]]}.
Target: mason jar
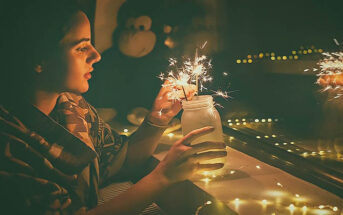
{"points": [[198, 113]]}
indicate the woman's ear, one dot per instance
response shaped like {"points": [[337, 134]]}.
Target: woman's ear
{"points": [[38, 68]]}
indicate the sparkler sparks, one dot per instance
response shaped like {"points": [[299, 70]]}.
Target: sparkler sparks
{"points": [[185, 74], [330, 74]]}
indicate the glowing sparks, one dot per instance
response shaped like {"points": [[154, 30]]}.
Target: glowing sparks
{"points": [[279, 184], [159, 113], [221, 94], [336, 41], [185, 73], [330, 74]]}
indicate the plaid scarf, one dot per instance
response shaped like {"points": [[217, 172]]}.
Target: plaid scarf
{"points": [[53, 164]]}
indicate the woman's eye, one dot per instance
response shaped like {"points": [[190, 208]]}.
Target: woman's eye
{"points": [[82, 49]]}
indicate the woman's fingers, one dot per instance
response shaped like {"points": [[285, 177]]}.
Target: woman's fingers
{"points": [[205, 146], [207, 156], [208, 167], [191, 136]]}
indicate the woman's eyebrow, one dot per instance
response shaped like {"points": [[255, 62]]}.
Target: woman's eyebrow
{"points": [[80, 41]]}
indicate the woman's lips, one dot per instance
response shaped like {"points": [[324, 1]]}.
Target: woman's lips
{"points": [[88, 75]]}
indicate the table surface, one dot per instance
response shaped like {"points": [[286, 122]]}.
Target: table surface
{"points": [[253, 187]]}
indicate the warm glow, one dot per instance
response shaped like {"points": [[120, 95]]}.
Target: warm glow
{"points": [[291, 208], [279, 184]]}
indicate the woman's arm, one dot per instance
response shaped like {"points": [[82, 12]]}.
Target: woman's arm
{"points": [[134, 200], [143, 143], [181, 162], [145, 140]]}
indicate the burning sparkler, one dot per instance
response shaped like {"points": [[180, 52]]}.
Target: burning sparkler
{"points": [[330, 75], [187, 73]]}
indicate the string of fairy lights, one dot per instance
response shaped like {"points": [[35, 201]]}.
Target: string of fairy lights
{"points": [[292, 201], [287, 145], [272, 56]]}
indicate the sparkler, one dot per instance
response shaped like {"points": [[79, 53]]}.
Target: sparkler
{"points": [[330, 73], [184, 74]]}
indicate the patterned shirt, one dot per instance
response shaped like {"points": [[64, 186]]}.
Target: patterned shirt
{"points": [[54, 164]]}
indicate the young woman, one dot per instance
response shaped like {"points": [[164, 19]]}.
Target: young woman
{"points": [[55, 150]]}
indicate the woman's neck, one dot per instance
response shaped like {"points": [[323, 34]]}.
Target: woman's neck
{"points": [[44, 101]]}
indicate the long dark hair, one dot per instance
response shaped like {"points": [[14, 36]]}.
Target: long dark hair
{"points": [[31, 34]]}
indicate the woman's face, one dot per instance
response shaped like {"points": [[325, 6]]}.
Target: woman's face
{"points": [[72, 68]]}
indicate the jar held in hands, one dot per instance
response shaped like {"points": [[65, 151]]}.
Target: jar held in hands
{"points": [[198, 113]]}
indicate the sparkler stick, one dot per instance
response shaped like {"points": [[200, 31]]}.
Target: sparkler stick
{"points": [[197, 75], [184, 92]]}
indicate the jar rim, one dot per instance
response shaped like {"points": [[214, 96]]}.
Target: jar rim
{"points": [[198, 102]]}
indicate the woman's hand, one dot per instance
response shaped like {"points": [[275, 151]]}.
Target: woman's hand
{"points": [[184, 160], [164, 109]]}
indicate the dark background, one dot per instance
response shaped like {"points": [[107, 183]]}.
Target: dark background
{"points": [[263, 88]]}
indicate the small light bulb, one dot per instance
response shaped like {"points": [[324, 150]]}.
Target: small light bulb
{"points": [[304, 208], [206, 180], [291, 207], [258, 167], [126, 130]]}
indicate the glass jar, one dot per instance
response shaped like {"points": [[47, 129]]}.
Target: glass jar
{"points": [[198, 113]]}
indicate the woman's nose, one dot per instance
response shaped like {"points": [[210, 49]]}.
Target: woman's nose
{"points": [[94, 57]]}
